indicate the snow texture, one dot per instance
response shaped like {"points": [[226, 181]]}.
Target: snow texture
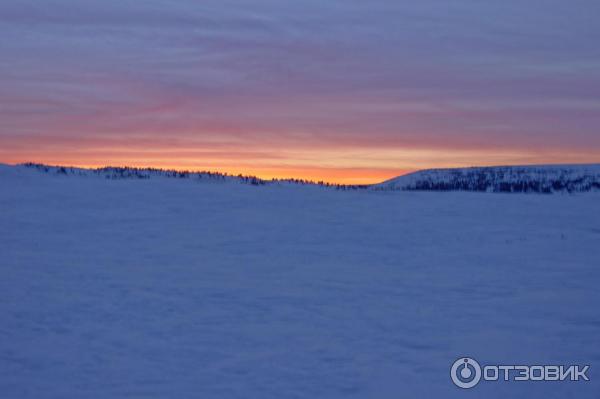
{"points": [[179, 288]]}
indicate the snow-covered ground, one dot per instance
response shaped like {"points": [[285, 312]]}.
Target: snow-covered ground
{"points": [[169, 288]]}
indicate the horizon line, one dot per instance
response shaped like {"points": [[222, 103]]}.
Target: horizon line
{"points": [[307, 180]]}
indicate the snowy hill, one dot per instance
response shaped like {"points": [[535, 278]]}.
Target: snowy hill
{"points": [[118, 173], [138, 173], [505, 179], [497, 179], [171, 288]]}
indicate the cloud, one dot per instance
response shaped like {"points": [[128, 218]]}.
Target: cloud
{"points": [[379, 74]]}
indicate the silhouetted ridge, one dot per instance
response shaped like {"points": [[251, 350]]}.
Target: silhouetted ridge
{"points": [[501, 179], [112, 172]]}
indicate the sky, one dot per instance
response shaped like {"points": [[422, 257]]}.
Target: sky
{"points": [[337, 90]]}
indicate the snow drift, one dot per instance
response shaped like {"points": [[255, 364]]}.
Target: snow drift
{"points": [[169, 287]]}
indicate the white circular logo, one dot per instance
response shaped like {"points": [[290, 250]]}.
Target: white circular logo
{"points": [[465, 372]]}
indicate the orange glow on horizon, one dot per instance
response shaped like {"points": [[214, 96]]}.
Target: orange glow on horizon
{"points": [[332, 176], [348, 161], [352, 166]]}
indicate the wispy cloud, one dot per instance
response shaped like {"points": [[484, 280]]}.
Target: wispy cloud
{"points": [[270, 76]]}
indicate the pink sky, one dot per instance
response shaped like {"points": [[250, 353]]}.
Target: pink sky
{"points": [[343, 91]]}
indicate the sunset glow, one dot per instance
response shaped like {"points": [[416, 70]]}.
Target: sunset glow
{"points": [[349, 92]]}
